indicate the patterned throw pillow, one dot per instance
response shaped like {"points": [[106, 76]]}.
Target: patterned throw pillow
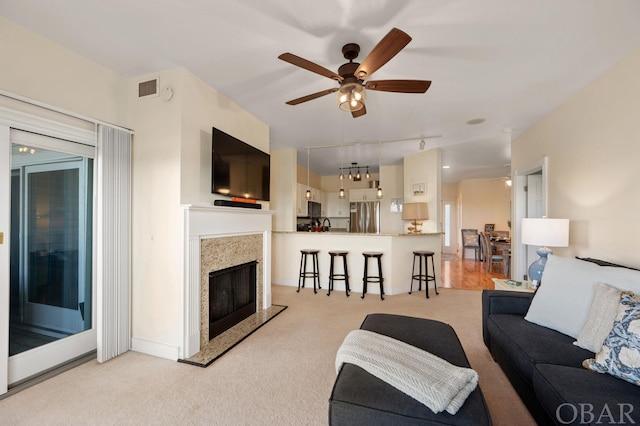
{"points": [[620, 352]]}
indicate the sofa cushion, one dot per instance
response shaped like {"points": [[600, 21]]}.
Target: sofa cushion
{"points": [[563, 300], [562, 389], [527, 344], [620, 352]]}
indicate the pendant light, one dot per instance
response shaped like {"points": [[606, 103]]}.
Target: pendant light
{"points": [[308, 194], [379, 193], [341, 193], [367, 175]]}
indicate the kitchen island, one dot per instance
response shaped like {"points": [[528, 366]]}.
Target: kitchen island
{"points": [[396, 261]]}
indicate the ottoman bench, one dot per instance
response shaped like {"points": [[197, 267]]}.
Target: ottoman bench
{"points": [[359, 398]]}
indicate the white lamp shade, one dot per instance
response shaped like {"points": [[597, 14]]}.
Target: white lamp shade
{"points": [[545, 232]]}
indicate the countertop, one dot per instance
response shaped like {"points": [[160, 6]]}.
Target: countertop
{"points": [[356, 234]]}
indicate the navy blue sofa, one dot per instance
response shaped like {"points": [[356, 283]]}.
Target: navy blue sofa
{"points": [[545, 368]]}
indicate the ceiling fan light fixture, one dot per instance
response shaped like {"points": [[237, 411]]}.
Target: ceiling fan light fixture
{"points": [[351, 97]]}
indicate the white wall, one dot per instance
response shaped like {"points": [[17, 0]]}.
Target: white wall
{"points": [[283, 188], [424, 167], [156, 222], [392, 182], [42, 70], [172, 166], [483, 201], [593, 145]]}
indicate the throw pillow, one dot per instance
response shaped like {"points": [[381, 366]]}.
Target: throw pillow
{"points": [[602, 314], [620, 353], [563, 300]]}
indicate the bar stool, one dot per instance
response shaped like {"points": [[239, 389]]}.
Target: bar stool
{"points": [[422, 255], [304, 274], [372, 278], [339, 277]]}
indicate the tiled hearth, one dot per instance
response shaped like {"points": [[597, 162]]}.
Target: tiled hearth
{"points": [[217, 238]]}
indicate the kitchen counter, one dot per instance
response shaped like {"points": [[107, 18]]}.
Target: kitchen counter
{"points": [[360, 234], [396, 261]]}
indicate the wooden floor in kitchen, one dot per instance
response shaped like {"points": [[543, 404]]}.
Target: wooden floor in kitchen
{"points": [[467, 274]]}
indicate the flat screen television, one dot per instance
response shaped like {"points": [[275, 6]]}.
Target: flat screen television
{"points": [[238, 169]]}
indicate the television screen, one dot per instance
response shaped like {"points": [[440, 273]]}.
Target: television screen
{"points": [[238, 169]]}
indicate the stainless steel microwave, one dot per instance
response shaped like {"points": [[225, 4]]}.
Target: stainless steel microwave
{"points": [[314, 209]]}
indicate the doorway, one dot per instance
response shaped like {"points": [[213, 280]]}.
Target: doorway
{"points": [[449, 227], [530, 200]]}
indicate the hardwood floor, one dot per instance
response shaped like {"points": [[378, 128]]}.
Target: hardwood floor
{"points": [[467, 274]]}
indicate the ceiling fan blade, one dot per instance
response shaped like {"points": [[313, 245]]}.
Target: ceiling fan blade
{"points": [[359, 113], [309, 66], [311, 96], [387, 48], [399, 86]]}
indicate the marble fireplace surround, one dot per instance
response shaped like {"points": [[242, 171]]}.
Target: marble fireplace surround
{"points": [[223, 252], [216, 238]]}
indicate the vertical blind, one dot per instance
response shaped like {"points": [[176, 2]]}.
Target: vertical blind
{"points": [[114, 251]]}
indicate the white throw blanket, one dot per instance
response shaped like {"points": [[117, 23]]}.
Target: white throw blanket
{"points": [[429, 379]]}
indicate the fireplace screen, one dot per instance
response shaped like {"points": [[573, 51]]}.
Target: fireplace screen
{"points": [[232, 296]]}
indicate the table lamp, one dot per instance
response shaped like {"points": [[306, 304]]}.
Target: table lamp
{"points": [[415, 212], [543, 232]]}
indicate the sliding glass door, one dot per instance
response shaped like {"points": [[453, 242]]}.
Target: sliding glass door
{"points": [[57, 247], [51, 258]]}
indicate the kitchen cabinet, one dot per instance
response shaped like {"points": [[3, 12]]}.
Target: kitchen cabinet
{"points": [[366, 194], [336, 206]]}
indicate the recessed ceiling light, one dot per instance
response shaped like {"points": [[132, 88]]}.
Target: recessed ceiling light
{"points": [[476, 121], [446, 167]]}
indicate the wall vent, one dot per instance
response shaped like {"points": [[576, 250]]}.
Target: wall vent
{"points": [[148, 88]]}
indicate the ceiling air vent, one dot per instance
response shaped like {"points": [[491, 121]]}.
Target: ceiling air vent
{"points": [[148, 88]]}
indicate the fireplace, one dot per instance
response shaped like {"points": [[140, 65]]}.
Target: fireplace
{"points": [[217, 238], [232, 296]]}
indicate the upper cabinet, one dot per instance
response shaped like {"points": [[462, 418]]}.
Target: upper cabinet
{"points": [[336, 206], [366, 194]]}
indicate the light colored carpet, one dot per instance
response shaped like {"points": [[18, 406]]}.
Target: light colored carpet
{"points": [[280, 375]]}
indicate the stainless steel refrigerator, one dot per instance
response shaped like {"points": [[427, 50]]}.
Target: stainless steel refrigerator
{"points": [[365, 217]]}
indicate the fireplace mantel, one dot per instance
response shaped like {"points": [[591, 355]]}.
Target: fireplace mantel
{"points": [[202, 222]]}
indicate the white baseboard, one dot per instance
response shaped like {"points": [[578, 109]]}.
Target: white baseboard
{"points": [[160, 350]]}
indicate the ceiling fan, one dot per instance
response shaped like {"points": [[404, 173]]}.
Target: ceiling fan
{"points": [[352, 75]]}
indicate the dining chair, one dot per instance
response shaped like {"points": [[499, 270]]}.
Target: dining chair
{"points": [[471, 240], [506, 263], [489, 256]]}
